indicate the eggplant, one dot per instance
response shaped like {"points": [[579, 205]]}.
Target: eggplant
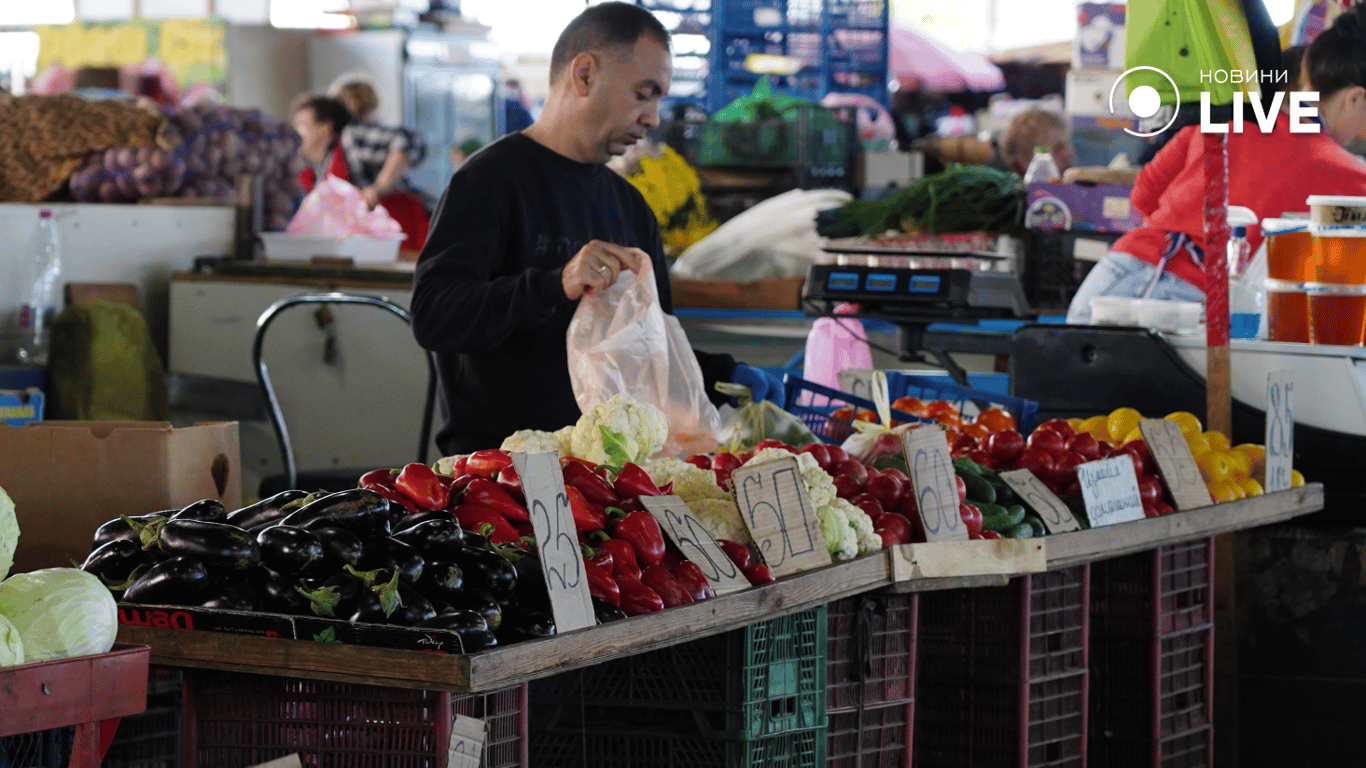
{"points": [[292, 551], [432, 533], [232, 597], [278, 593], [485, 570], [480, 602], [115, 561], [413, 608], [473, 630], [178, 581], [477, 541], [333, 597], [386, 552], [531, 589], [266, 510], [123, 528], [205, 510], [218, 546], [363, 512], [441, 579], [524, 624], [340, 547], [605, 612], [119, 589], [418, 518], [369, 609]]}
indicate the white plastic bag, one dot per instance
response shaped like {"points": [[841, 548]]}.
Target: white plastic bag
{"points": [[621, 340], [776, 238], [336, 208]]}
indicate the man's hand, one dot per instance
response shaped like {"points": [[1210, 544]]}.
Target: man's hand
{"points": [[371, 195], [596, 266]]}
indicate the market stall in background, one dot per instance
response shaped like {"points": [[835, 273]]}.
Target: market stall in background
{"points": [[970, 534]]}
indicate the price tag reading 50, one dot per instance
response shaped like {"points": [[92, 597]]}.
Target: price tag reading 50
{"points": [[932, 481], [772, 500]]}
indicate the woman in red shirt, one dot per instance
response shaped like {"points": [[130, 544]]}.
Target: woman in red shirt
{"points": [[1270, 173]]}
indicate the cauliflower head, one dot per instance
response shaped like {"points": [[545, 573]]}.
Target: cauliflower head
{"points": [[722, 520], [618, 431], [532, 441], [690, 482], [841, 541], [868, 540], [820, 489]]}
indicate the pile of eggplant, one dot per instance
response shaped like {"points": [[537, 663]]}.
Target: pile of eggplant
{"points": [[349, 555]]}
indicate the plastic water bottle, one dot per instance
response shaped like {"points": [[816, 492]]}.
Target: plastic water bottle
{"points": [[41, 271], [1042, 169], [1239, 252]]}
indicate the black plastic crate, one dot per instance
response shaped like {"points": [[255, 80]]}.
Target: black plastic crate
{"points": [[40, 749], [872, 737], [620, 748], [151, 739], [872, 644], [1051, 273]]}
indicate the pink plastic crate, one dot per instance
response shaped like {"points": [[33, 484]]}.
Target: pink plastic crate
{"points": [[872, 642]]}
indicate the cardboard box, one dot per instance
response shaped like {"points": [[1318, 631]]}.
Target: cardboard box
{"points": [[773, 293], [69, 477], [1099, 43], [19, 407], [1098, 208]]}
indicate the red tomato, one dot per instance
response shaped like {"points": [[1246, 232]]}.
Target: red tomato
{"points": [[972, 519], [1065, 471], [771, 443], [869, 504], [836, 453], [728, 462], [845, 487], [885, 488], [1073, 489], [1038, 461], [1140, 447], [854, 470], [900, 476], [1104, 449], [1149, 489], [983, 459], [819, 452], [1004, 446], [1061, 426], [965, 442], [1086, 445], [1140, 465], [990, 535], [1162, 507], [962, 489], [1047, 439], [895, 529], [701, 461]]}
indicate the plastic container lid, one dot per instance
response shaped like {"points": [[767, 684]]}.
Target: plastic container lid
{"points": [[1338, 200], [1283, 225], [1240, 216]]}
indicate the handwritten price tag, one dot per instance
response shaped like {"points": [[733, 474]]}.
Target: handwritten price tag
{"points": [[932, 481], [553, 522], [1110, 490], [692, 539], [467, 742], [1280, 430], [1056, 517], [773, 503], [1175, 463]]}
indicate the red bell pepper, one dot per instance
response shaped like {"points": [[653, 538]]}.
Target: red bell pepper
{"points": [[737, 552], [509, 481], [474, 517], [458, 468], [602, 585], [623, 555], [633, 482], [567, 460], [487, 463], [636, 598], [487, 493], [393, 496], [599, 559], [758, 574], [457, 485], [593, 488], [990, 535], [672, 556], [586, 518], [643, 533], [692, 578], [666, 585], [381, 477], [419, 483]]}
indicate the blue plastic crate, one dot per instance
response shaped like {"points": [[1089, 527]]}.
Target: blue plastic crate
{"points": [[966, 399], [815, 404]]}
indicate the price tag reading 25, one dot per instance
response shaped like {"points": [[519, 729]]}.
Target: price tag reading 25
{"points": [[773, 504], [933, 482], [561, 558]]}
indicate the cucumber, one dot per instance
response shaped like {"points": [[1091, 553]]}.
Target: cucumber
{"points": [[966, 464], [1037, 524], [979, 490], [1021, 531], [1005, 496], [1078, 508], [1001, 519]]}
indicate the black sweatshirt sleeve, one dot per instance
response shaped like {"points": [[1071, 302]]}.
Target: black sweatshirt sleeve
{"points": [[462, 299]]}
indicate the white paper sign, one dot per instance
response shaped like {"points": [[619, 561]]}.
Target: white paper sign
{"points": [[467, 742], [553, 522], [1110, 489], [1280, 430], [773, 503], [696, 544], [856, 382], [933, 483], [1169, 448], [1056, 517]]}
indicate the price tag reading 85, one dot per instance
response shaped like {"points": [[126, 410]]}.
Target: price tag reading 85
{"points": [[1280, 430], [933, 482], [561, 558]]}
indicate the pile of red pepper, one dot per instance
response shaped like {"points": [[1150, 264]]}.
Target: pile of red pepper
{"points": [[628, 561]]}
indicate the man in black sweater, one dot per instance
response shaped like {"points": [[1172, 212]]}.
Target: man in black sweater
{"points": [[536, 220]]}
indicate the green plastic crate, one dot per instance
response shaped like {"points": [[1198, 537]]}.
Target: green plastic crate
{"points": [[618, 749], [764, 680]]}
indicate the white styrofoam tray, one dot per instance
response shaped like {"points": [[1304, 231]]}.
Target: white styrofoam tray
{"points": [[361, 249]]}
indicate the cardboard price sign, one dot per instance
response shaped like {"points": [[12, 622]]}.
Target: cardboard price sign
{"points": [[1056, 517], [696, 544], [933, 483], [1167, 443], [467, 742], [1110, 489], [1280, 430], [773, 503], [561, 559]]}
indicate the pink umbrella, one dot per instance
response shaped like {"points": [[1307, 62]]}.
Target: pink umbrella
{"points": [[916, 59]]}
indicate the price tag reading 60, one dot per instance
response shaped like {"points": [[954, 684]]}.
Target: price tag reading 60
{"points": [[561, 559], [932, 481]]}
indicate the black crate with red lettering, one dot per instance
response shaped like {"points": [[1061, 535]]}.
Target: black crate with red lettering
{"points": [[1152, 658], [234, 720], [1002, 675]]}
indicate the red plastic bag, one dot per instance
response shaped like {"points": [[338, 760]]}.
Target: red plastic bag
{"points": [[336, 208]]}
